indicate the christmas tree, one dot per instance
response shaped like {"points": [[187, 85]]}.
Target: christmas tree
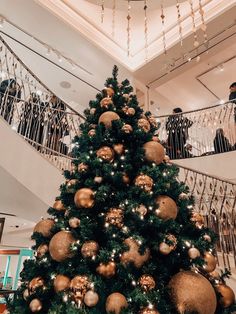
{"points": [[123, 237]]}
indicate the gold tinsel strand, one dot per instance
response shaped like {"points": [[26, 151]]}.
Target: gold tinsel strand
{"points": [[128, 28], [163, 27], [179, 22], [113, 17], [102, 11], [146, 30], [196, 43], [203, 26]]}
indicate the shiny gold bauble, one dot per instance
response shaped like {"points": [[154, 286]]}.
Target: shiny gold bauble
{"points": [[127, 128], [74, 222], [60, 246], [141, 209], [106, 153], [61, 283], [91, 298], [44, 227], [147, 310], [107, 270], [197, 219], [79, 285], [106, 102], [118, 148], [89, 249], [82, 167], [36, 283], [115, 217], [133, 255], [25, 294], [165, 248], [71, 185], [107, 117], [192, 293], [84, 198], [166, 207], [115, 303], [147, 282], [210, 261], [58, 205], [193, 253], [126, 97], [144, 125], [131, 111], [126, 179], [35, 305], [154, 152], [227, 296], [109, 92], [98, 179], [144, 182], [91, 132], [42, 250]]}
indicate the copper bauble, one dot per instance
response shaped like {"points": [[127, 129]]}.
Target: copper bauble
{"points": [[108, 91], [118, 148], [148, 310], [154, 152], [60, 246], [210, 261], [58, 205], [35, 305], [74, 222], [107, 270], [198, 219], [227, 296], [91, 298], [147, 282], [98, 179], [207, 237], [36, 283], [61, 283], [25, 294], [82, 167], [106, 102], [133, 255], [107, 117], [125, 178], [126, 97], [71, 186], [42, 250], [183, 196], [127, 128], [144, 182], [144, 125], [84, 198], [115, 217], [115, 303], [131, 111], [91, 132], [89, 249], [168, 245], [141, 209], [193, 253], [155, 139], [125, 109], [106, 153], [166, 207], [191, 292], [92, 111], [44, 227], [79, 286]]}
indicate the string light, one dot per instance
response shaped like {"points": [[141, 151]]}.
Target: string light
{"points": [[196, 42], [146, 30], [102, 11], [203, 26], [128, 28], [163, 27], [179, 22]]}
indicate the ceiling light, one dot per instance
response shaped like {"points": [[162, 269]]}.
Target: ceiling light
{"points": [[2, 20]]}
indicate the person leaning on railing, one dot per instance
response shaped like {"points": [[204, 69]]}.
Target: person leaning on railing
{"points": [[221, 143]]}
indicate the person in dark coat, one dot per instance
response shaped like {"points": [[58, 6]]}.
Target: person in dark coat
{"points": [[232, 97], [221, 143]]}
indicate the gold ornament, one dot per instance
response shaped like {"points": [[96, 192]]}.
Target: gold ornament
{"points": [[109, 92], [25, 294], [152, 120], [82, 167], [197, 219], [60, 246], [131, 111], [44, 227], [118, 148], [166, 207], [142, 210], [183, 196], [193, 253], [144, 125], [84, 198], [91, 298], [79, 285], [144, 182], [58, 205], [148, 310], [106, 102], [106, 153], [89, 249], [165, 248], [98, 179], [107, 118], [133, 255], [42, 250], [227, 296], [207, 237], [92, 111], [125, 109], [35, 305], [154, 152], [210, 261], [192, 292], [125, 179], [126, 97], [61, 283], [115, 217], [74, 222], [92, 132], [147, 282], [155, 139], [115, 303], [166, 159], [127, 128], [107, 270], [71, 186], [36, 283]]}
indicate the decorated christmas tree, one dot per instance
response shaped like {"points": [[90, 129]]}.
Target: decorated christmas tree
{"points": [[123, 237]]}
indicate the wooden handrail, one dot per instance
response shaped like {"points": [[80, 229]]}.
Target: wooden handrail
{"points": [[9, 252]]}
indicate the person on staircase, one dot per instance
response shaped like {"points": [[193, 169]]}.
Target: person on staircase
{"points": [[221, 142]]}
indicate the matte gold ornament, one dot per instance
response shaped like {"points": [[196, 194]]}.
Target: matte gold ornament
{"points": [[79, 286], [126, 97], [133, 255], [98, 179], [61, 283], [127, 128], [58, 205], [92, 111], [107, 118], [118, 148], [42, 250], [227, 296], [147, 282], [109, 92], [142, 210], [165, 248], [144, 182], [44, 227], [84, 198], [154, 152], [91, 298], [210, 261], [36, 283], [107, 270], [71, 185], [125, 179], [131, 111], [106, 102], [193, 253], [125, 109], [60, 246], [115, 303], [92, 132], [192, 292], [144, 125], [106, 153], [197, 219], [148, 310], [25, 294], [35, 305], [166, 207], [115, 217], [82, 167], [74, 222], [89, 249]]}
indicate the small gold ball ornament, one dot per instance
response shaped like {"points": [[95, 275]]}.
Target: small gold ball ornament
{"points": [[82, 167], [71, 185], [74, 222], [166, 248], [154, 152], [147, 282], [44, 227], [133, 255], [109, 92], [42, 250], [118, 148], [115, 303], [125, 179], [115, 217], [84, 198], [106, 102], [60, 246], [197, 219], [227, 296], [107, 118], [207, 238], [148, 310], [183, 196], [61, 283], [92, 111], [58, 205], [92, 132], [144, 182], [89, 249], [166, 207], [126, 97], [210, 261], [25, 294], [127, 128], [79, 285], [35, 305], [36, 283], [166, 159], [98, 179], [141, 209], [193, 253], [91, 298], [155, 139], [106, 153], [107, 270], [144, 125], [131, 111]]}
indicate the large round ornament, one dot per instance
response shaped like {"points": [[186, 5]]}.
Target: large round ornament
{"points": [[192, 293], [115, 303], [154, 152], [74, 222], [79, 286], [106, 153], [133, 255], [44, 227], [60, 246], [109, 92], [35, 305], [144, 125], [147, 282], [144, 182], [84, 198], [148, 310], [166, 207], [106, 102], [36, 283], [115, 217], [91, 298], [118, 148], [227, 296], [58, 205], [107, 270], [210, 261], [61, 283], [107, 117], [42, 250], [89, 249]]}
